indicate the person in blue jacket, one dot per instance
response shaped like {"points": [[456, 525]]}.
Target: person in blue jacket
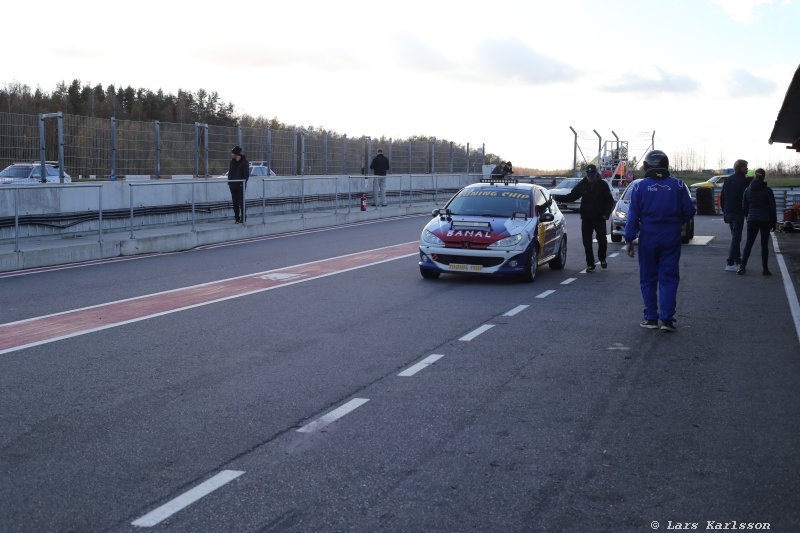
{"points": [[660, 205]]}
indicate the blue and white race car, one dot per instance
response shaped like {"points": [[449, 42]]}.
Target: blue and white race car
{"points": [[495, 227]]}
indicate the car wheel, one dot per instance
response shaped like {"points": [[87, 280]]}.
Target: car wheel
{"points": [[532, 265], [689, 233], [561, 259], [428, 274], [616, 238]]}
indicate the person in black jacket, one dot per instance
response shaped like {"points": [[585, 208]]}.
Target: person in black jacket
{"points": [[731, 203], [596, 206], [758, 205], [238, 173], [379, 166]]}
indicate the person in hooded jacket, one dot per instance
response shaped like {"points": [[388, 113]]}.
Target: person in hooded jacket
{"points": [[660, 205], [379, 166], [238, 174], [596, 206], [758, 206]]}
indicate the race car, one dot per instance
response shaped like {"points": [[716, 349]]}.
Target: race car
{"points": [[494, 227]]}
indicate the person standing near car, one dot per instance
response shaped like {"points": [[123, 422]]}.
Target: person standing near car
{"points": [[596, 206], [238, 173], [758, 205], [660, 205], [731, 203], [379, 166]]}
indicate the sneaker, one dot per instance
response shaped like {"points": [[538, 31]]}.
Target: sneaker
{"points": [[731, 268], [766, 272], [603, 265], [649, 324], [742, 271], [668, 325], [590, 268]]}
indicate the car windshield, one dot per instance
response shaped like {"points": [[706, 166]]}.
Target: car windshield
{"points": [[491, 202], [567, 183], [16, 171]]}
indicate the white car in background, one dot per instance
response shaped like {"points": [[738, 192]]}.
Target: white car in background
{"points": [[566, 185], [30, 173]]}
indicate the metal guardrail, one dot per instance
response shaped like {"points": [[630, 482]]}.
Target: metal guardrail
{"points": [[73, 186]]}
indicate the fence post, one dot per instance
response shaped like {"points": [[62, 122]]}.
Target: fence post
{"points": [[302, 153], [193, 226], [60, 148], [467, 158], [452, 156], [263, 200], [294, 152], [130, 188], [16, 219], [158, 148], [269, 149], [100, 214], [432, 150], [483, 156], [390, 155], [42, 148], [409, 156], [368, 155], [302, 198], [344, 154], [240, 137], [196, 149], [325, 154], [114, 149], [205, 146]]}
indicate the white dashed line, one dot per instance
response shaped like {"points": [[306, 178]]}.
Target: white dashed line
{"points": [[568, 281], [545, 294], [471, 335], [518, 309], [205, 488], [410, 371], [333, 416], [615, 254]]}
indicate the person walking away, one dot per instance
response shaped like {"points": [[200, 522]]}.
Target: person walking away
{"points": [[660, 205], [731, 203], [758, 205], [379, 166], [238, 174], [596, 206]]}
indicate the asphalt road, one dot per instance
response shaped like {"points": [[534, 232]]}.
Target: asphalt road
{"points": [[565, 416]]}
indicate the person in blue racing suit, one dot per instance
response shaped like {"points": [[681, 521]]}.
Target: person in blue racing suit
{"points": [[660, 205]]}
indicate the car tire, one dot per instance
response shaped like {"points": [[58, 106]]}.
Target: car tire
{"points": [[689, 233], [616, 238], [428, 274], [561, 259], [531, 265]]}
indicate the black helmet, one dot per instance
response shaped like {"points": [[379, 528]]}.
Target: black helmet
{"points": [[655, 159]]}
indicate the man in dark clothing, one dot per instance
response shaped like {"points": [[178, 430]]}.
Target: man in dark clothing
{"points": [[731, 203], [379, 166], [596, 206], [238, 173], [499, 171], [660, 205], [758, 205]]}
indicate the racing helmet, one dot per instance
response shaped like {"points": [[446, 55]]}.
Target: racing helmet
{"points": [[655, 159]]}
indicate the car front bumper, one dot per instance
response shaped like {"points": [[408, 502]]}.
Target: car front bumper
{"points": [[460, 260]]}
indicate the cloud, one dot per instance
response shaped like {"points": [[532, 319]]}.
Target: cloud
{"points": [[742, 84], [419, 55], [741, 10], [503, 60], [660, 82]]}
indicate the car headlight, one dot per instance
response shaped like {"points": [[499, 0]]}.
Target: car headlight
{"points": [[508, 241], [431, 238], [621, 214]]}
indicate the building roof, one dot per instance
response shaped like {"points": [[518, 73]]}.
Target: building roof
{"points": [[787, 125]]}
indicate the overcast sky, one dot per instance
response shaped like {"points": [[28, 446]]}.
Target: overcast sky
{"points": [[704, 74]]}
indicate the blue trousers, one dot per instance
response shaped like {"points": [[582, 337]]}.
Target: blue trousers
{"points": [[659, 276], [736, 223]]}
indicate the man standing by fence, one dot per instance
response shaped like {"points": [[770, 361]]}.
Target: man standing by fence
{"points": [[238, 173], [379, 166]]}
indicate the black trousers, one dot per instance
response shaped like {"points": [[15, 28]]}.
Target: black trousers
{"points": [[237, 197], [753, 228], [590, 226]]}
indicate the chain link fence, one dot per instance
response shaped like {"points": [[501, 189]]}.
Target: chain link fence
{"points": [[109, 148]]}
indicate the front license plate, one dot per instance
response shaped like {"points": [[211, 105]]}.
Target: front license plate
{"points": [[465, 268]]}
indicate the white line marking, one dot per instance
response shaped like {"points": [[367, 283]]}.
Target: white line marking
{"points": [[568, 281], [471, 335], [615, 254], [333, 416], [410, 371], [518, 309], [205, 488], [700, 240], [791, 294], [545, 294]]}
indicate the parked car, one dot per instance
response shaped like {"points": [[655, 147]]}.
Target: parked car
{"points": [[31, 173], [258, 169], [566, 185], [620, 216], [713, 181], [494, 228]]}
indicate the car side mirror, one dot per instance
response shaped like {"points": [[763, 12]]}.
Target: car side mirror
{"points": [[435, 213], [547, 217]]}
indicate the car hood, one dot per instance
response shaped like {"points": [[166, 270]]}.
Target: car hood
{"points": [[476, 230]]}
